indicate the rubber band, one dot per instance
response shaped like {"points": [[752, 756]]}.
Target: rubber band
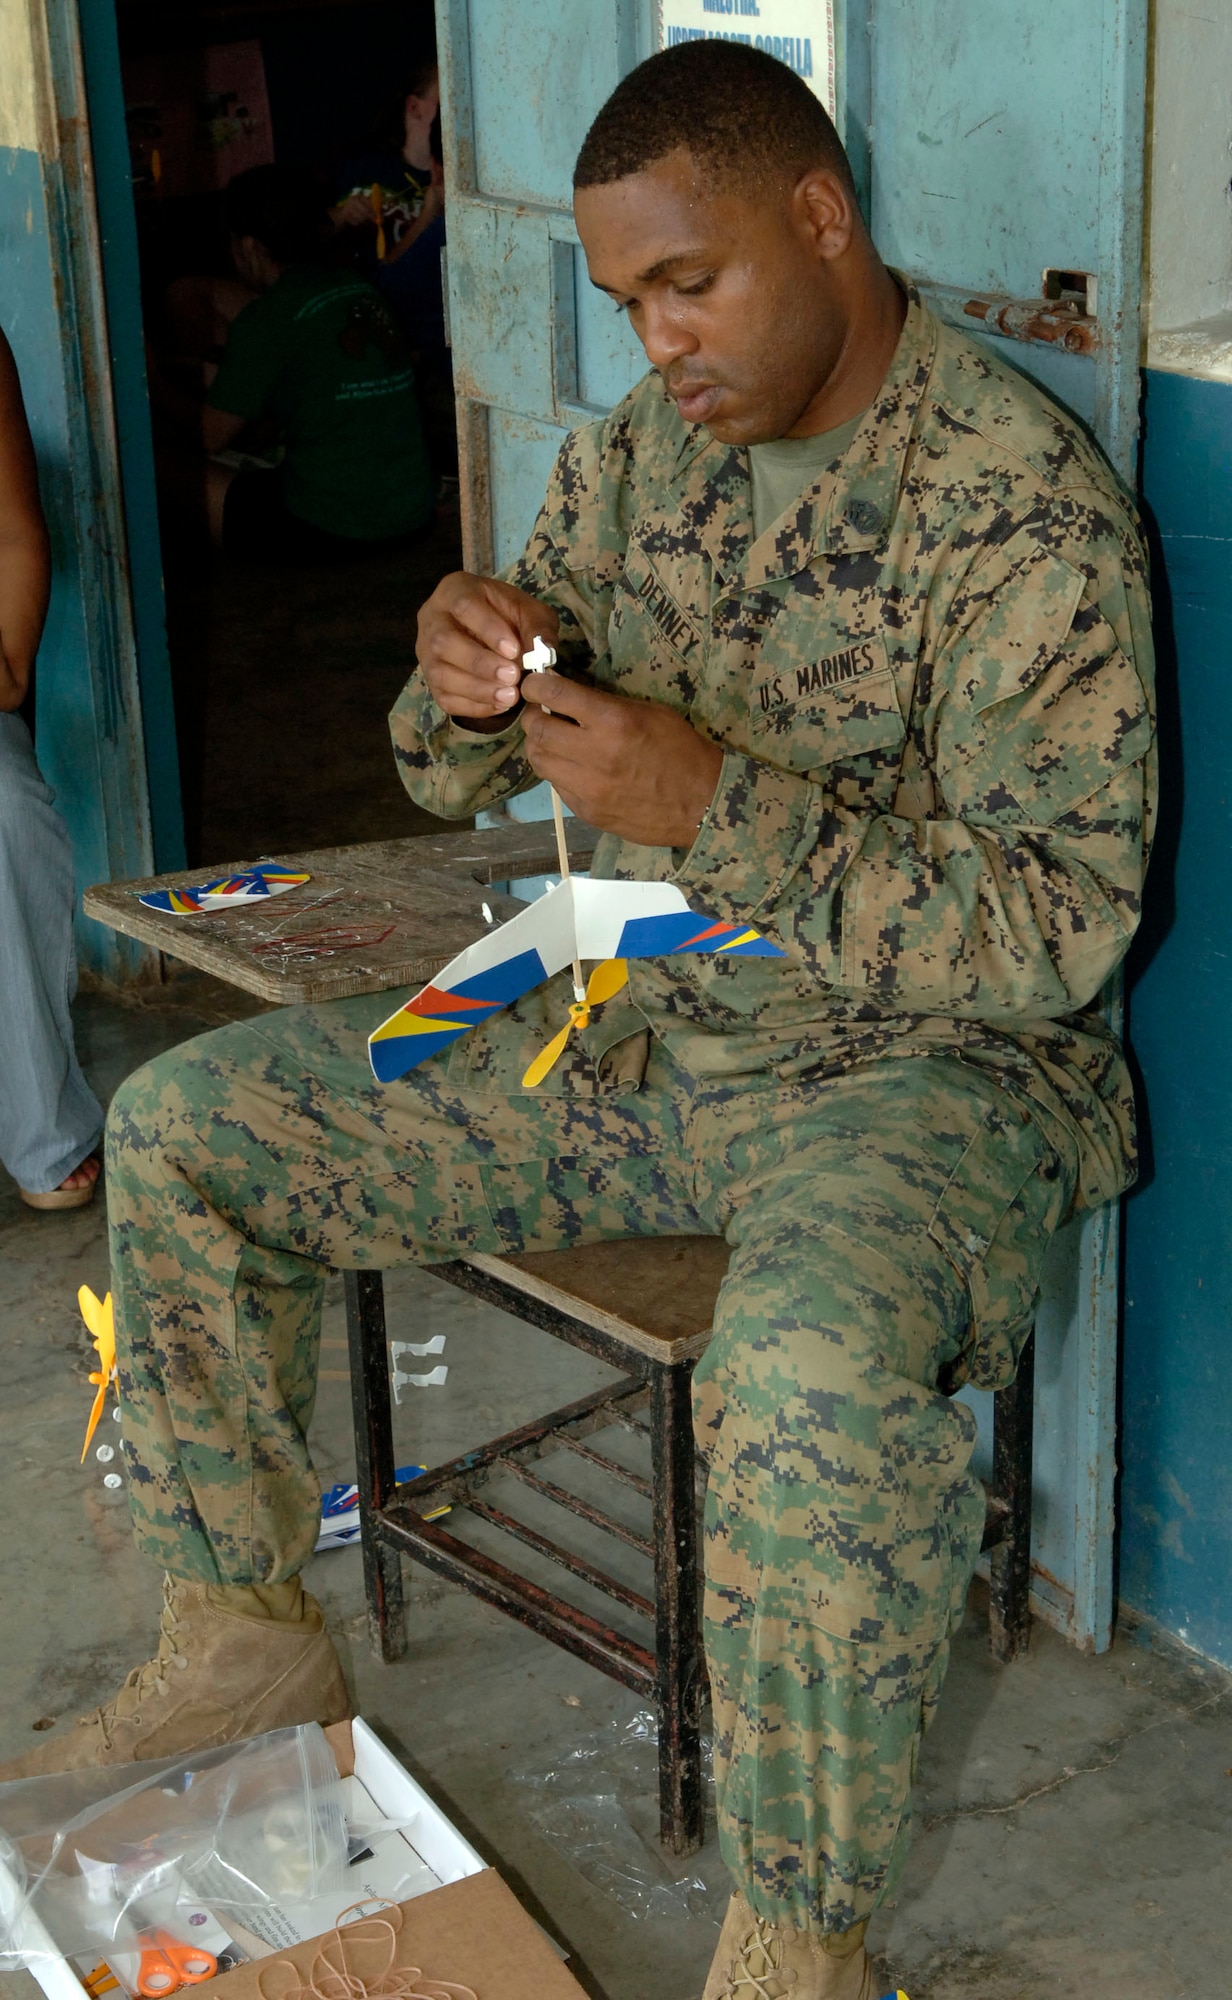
{"points": [[322, 943], [328, 1981]]}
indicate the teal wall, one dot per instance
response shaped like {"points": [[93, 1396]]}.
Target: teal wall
{"points": [[1176, 1403]]}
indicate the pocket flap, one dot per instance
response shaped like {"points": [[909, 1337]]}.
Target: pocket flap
{"points": [[1022, 629]]}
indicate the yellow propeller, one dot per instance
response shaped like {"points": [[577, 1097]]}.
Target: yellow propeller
{"points": [[606, 979], [100, 1324]]}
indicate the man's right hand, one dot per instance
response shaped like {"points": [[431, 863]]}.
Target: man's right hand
{"points": [[473, 632]]}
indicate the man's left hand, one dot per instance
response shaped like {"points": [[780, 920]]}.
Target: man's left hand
{"points": [[632, 768]]}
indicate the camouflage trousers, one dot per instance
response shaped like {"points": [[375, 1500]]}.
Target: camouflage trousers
{"points": [[885, 1225]]}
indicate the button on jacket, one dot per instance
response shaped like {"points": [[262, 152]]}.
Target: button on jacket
{"points": [[931, 680]]}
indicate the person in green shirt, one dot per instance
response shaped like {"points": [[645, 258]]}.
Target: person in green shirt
{"points": [[318, 353]]}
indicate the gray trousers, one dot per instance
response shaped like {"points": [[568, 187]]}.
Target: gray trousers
{"points": [[49, 1117]]}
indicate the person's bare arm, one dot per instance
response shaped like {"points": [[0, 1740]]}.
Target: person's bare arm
{"points": [[25, 551], [433, 205], [186, 419], [219, 428]]}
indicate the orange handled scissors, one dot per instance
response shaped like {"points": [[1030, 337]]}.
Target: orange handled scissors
{"points": [[167, 1964]]}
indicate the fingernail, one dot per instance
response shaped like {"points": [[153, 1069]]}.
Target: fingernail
{"points": [[507, 674], [509, 647], [504, 696]]}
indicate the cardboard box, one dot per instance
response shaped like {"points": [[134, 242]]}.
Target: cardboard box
{"points": [[460, 1923], [473, 1932]]}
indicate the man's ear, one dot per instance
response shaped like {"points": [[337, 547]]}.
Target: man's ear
{"points": [[823, 207]]}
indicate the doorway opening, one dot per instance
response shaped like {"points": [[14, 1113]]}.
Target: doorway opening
{"points": [[286, 656]]}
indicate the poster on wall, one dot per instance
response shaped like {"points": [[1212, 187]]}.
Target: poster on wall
{"points": [[195, 117], [799, 32]]}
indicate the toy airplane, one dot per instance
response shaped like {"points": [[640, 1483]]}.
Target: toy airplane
{"points": [[268, 878], [100, 1324], [579, 918]]}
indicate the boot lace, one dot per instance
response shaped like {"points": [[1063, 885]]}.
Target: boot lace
{"points": [[153, 1677], [759, 1962]]}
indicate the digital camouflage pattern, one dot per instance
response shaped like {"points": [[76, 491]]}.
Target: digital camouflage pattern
{"points": [[932, 680], [884, 1225]]}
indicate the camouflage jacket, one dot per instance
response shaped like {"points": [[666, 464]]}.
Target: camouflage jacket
{"points": [[931, 679]]}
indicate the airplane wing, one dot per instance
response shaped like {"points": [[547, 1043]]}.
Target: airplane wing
{"points": [[578, 918]]}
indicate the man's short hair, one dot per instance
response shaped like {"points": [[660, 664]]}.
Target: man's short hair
{"points": [[279, 207], [743, 115], [423, 75]]}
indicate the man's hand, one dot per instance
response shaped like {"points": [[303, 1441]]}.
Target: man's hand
{"points": [[633, 768], [473, 632], [353, 212]]}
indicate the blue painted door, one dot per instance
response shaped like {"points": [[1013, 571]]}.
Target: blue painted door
{"points": [[1006, 140], [994, 143]]}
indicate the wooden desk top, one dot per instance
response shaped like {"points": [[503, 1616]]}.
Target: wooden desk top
{"points": [[429, 888]]}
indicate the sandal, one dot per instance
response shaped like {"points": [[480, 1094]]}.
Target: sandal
{"points": [[62, 1196]]}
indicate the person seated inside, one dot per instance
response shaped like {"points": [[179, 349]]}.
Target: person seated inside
{"points": [[317, 355], [50, 1119], [854, 645]]}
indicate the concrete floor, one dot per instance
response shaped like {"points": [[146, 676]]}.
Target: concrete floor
{"points": [[1072, 1816]]}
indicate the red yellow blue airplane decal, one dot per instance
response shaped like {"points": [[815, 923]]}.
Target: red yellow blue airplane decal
{"points": [[268, 878]]}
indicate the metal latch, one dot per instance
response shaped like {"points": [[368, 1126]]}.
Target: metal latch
{"points": [[1064, 315]]}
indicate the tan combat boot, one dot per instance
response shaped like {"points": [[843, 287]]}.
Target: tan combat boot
{"points": [[757, 1960], [231, 1662]]}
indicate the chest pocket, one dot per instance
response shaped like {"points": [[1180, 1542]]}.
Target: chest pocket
{"points": [[812, 708]]}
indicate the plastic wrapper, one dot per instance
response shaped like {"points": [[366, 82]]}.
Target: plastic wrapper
{"points": [[94, 1861], [599, 1808]]}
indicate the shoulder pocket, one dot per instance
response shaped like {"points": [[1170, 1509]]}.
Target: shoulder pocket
{"points": [[1060, 708]]}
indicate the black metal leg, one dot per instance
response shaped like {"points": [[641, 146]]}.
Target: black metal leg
{"points": [[1010, 1561], [374, 1458], [680, 1673]]}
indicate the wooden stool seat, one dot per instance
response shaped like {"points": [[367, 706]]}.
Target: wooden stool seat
{"points": [[657, 1293], [646, 1307]]}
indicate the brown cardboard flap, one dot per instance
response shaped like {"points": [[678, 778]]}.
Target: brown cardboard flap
{"points": [[338, 1736], [474, 1933]]}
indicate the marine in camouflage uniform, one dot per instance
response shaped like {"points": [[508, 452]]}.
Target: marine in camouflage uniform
{"points": [[931, 682]]}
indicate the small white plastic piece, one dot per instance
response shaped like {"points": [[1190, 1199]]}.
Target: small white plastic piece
{"points": [[112, 1479], [434, 1346], [540, 657], [105, 1453], [435, 1379], [487, 913]]}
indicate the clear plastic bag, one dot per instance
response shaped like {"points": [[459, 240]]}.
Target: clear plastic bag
{"points": [[95, 1861], [598, 1807]]}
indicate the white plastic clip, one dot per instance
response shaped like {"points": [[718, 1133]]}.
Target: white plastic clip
{"points": [[435, 1377], [540, 657]]}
